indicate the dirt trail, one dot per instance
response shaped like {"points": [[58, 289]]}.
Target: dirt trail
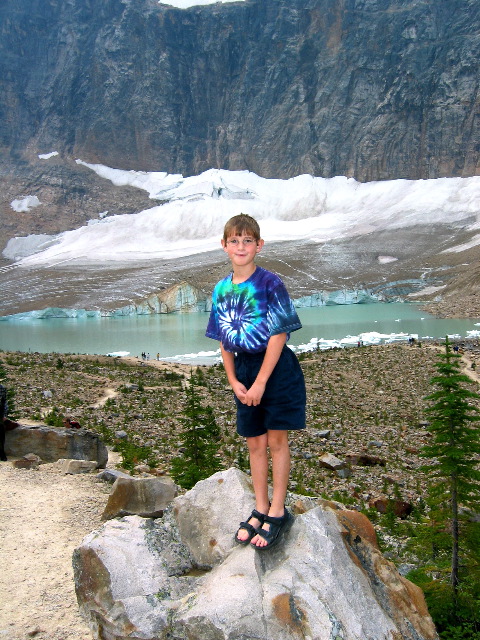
{"points": [[466, 361], [44, 515]]}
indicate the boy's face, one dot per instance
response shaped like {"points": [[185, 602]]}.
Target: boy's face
{"points": [[242, 249]]}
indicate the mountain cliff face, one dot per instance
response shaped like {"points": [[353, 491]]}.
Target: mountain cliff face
{"points": [[375, 89]]}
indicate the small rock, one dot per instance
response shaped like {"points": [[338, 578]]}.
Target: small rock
{"points": [[345, 472], [142, 468], [412, 449], [73, 467], [29, 461], [329, 461], [364, 460], [400, 508], [110, 475], [404, 569], [393, 480]]}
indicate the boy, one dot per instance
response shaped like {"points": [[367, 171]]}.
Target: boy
{"points": [[252, 317]]}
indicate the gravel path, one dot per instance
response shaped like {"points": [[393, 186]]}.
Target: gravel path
{"points": [[44, 515]]}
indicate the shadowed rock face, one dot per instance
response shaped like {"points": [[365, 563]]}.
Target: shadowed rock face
{"points": [[54, 444], [374, 89]]}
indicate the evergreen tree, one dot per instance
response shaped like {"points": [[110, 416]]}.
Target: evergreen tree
{"points": [[10, 392], [200, 439], [454, 450]]}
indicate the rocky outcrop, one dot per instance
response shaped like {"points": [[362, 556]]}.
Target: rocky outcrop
{"points": [[373, 89], [181, 297], [183, 577], [56, 444]]}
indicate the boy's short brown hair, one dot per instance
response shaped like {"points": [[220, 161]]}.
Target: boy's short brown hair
{"points": [[242, 225]]}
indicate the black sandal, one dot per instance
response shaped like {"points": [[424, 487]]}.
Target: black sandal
{"points": [[250, 528], [278, 528]]}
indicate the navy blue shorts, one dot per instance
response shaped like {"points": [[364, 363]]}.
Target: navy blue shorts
{"points": [[282, 406]]}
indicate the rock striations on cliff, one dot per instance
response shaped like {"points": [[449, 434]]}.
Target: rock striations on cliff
{"points": [[183, 577], [375, 89]]}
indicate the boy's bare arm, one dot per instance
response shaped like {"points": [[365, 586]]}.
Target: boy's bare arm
{"points": [[228, 362], [272, 354]]}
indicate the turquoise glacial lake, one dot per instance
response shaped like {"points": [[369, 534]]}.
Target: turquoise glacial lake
{"points": [[181, 337]]}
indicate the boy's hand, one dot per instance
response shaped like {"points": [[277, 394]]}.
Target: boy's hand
{"points": [[254, 394], [240, 390]]}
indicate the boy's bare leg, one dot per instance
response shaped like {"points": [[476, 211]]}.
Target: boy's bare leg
{"points": [[257, 448], [280, 452]]}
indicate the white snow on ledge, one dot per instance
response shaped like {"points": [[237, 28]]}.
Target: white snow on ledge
{"points": [[47, 156], [186, 4]]}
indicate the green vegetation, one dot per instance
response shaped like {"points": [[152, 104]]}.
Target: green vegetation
{"points": [[10, 391], [54, 418], [200, 439], [451, 534]]}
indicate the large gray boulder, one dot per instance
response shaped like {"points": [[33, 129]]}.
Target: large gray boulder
{"points": [[55, 444], [143, 578]]}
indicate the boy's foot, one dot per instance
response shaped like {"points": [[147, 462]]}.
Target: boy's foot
{"points": [[277, 527], [249, 529]]}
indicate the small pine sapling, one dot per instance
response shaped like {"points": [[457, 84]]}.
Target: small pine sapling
{"points": [[200, 441]]}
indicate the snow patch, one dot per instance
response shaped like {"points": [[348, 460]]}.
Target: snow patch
{"points": [[475, 241], [25, 204], [18, 248], [47, 156], [426, 292], [186, 4], [386, 259]]}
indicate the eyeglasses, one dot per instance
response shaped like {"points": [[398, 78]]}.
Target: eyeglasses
{"points": [[247, 242]]}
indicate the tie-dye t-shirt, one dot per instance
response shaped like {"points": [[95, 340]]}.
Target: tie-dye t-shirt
{"points": [[245, 315]]}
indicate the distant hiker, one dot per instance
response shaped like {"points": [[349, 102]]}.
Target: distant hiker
{"points": [[68, 423], [252, 316]]}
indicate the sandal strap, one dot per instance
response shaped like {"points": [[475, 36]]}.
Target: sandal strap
{"points": [[256, 514], [266, 535], [278, 521], [248, 527], [277, 526]]}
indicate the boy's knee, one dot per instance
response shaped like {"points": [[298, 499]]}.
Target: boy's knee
{"points": [[278, 441], [257, 444]]}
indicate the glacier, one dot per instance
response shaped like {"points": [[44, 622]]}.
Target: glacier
{"points": [[189, 214]]}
